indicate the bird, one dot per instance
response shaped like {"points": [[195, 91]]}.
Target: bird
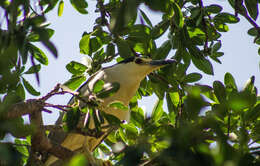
{"points": [[128, 74]]}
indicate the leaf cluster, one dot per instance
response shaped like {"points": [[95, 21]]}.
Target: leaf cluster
{"points": [[191, 124]]}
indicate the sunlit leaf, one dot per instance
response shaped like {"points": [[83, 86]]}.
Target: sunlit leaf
{"points": [[98, 86], [118, 105], [230, 81], [76, 68], [157, 110], [178, 17], [60, 8], [226, 18], [75, 82], [79, 160], [84, 44]]}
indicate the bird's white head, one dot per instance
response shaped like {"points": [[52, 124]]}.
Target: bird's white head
{"points": [[139, 66]]}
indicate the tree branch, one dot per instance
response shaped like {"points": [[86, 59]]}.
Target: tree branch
{"points": [[241, 9], [23, 108]]}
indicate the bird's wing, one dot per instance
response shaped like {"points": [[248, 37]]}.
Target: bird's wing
{"points": [[68, 140]]}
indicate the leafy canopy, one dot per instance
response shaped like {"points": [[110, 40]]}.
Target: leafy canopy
{"points": [[202, 124]]}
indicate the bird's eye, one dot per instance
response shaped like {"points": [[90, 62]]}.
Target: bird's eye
{"points": [[138, 61]]}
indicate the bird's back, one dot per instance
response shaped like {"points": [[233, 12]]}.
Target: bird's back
{"points": [[77, 142]]}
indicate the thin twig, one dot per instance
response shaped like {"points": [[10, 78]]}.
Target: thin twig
{"points": [[46, 110], [204, 26], [58, 106], [102, 12], [51, 93], [241, 9]]}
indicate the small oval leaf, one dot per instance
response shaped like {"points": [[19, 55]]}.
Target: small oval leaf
{"points": [[192, 77], [98, 86], [33, 69], [30, 88], [75, 82], [118, 105], [76, 68]]}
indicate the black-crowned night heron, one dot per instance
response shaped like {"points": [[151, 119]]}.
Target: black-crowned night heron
{"points": [[128, 73]]}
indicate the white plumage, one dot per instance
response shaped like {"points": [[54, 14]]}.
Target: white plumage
{"points": [[128, 74]]}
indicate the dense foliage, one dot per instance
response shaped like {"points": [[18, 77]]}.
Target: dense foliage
{"points": [[203, 125]]}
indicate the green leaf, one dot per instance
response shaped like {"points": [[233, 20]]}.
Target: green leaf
{"points": [[118, 105], [252, 8], [29, 88], [51, 47], [178, 17], [249, 86], [20, 91], [84, 45], [137, 117], [72, 117], [60, 8], [203, 65], [146, 18], [226, 18], [76, 68], [170, 102], [230, 81], [163, 51], [131, 131], [253, 113], [123, 48], [79, 160], [221, 27], [157, 110], [220, 91], [160, 29], [33, 69], [37, 36], [98, 86], [51, 5], [111, 118], [80, 6], [252, 32], [192, 77], [22, 148], [38, 54], [216, 46], [75, 82], [109, 91], [239, 100], [95, 44], [213, 8], [110, 50]]}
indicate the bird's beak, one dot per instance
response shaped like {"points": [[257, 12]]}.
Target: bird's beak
{"points": [[161, 62]]}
